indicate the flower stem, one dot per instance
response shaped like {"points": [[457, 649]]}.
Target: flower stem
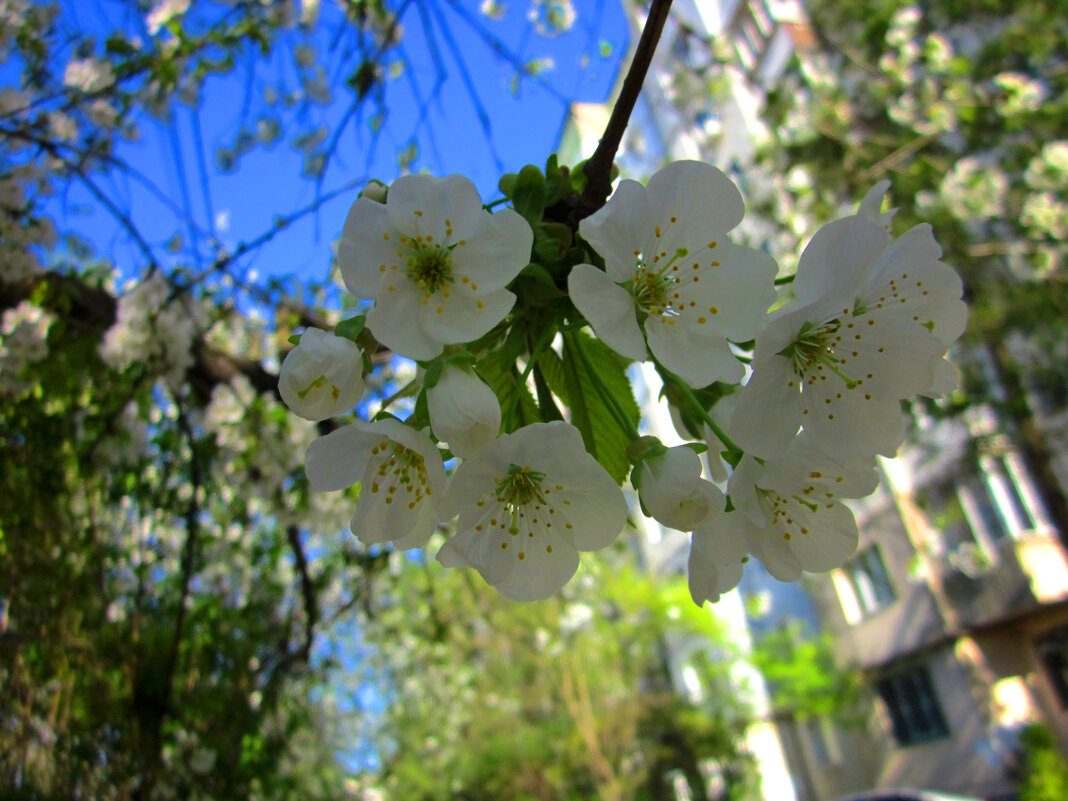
{"points": [[546, 337], [599, 167], [602, 390], [733, 452], [403, 392]]}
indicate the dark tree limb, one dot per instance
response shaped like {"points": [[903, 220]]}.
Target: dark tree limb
{"points": [[598, 168]]}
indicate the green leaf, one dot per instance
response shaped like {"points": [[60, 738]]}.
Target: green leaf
{"points": [[528, 196], [549, 409], [294, 339], [603, 436], [350, 328], [518, 407]]}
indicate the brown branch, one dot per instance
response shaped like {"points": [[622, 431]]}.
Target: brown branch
{"points": [[307, 590], [598, 168]]}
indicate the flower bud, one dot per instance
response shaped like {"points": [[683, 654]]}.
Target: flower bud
{"points": [[674, 493], [463, 411], [375, 190], [322, 376]]}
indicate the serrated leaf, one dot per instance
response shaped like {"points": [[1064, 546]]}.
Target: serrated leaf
{"points": [[518, 407], [549, 410], [604, 437]]}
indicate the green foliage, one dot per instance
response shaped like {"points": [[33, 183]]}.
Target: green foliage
{"points": [[568, 698], [804, 677], [1045, 770]]}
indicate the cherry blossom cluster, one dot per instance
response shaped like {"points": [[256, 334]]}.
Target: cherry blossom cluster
{"points": [[152, 327], [523, 425]]}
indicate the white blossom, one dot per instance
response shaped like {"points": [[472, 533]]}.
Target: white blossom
{"points": [[23, 341], [790, 510], [434, 261], [153, 328], [88, 74], [871, 323], [527, 505], [163, 12], [669, 267], [322, 376], [401, 479], [464, 412], [673, 492], [718, 553]]}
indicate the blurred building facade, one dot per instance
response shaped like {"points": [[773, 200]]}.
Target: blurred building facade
{"points": [[954, 607]]}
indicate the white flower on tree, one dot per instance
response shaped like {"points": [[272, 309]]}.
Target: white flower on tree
{"points": [[464, 412], [718, 553], [434, 261], [790, 510], [670, 268], [322, 376], [401, 479], [871, 324], [527, 505], [674, 493]]}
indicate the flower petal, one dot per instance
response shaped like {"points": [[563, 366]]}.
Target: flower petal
{"points": [[463, 316], [395, 322], [339, 459], [737, 293], [447, 208], [367, 249], [496, 255], [693, 202], [618, 230], [609, 308], [838, 260], [768, 412], [695, 353]]}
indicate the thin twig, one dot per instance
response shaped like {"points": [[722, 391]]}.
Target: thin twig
{"points": [[599, 167]]}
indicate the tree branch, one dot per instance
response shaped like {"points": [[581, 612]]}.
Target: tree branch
{"points": [[599, 166]]}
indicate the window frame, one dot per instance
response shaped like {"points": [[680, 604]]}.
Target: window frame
{"points": [[912, 706], [879, 591]]}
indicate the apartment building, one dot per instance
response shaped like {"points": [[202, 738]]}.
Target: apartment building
{"points": [[955, 606]]}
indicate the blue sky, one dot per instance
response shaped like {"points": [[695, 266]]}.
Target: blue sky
{"points": [[456, 98]]}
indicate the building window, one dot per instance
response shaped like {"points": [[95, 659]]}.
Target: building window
{"points": [[915, 713], [1053, 651], [871, 582]]}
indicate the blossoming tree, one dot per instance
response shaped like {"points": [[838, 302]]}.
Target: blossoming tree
{"points": [[221, 479]]}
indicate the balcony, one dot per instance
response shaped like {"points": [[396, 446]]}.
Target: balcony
{"points": [[1016, 575]]}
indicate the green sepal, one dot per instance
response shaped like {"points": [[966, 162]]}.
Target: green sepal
{"points": [[696, 447], [507, 183], [350, 328], [433, 373], [551, 241], [578, 177], [644, 448], [294, 339], [556, 181], [528, 194], [636, 478], [420, 418], [540, 274]]}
